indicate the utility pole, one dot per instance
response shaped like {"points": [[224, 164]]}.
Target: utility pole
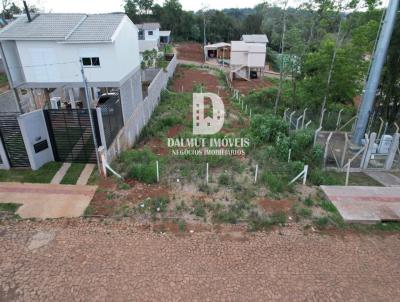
{"points": [[374, 76], [278, 96], [332, 65], [204, 30], [88, 105]]}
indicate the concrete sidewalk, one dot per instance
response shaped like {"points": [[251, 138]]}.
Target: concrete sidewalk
{"points": [[365, 204], [385, 178], [47, 200]]}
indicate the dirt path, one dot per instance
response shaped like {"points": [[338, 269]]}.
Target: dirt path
{"points": [[88, 261]]}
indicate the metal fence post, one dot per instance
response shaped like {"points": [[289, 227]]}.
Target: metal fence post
{"points": [[207, 173], [305, 174], [348, 173], [158, 172]]}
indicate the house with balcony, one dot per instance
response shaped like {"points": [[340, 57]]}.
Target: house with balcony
{"points": [[77, 81], [65, 69], [43, 55]]}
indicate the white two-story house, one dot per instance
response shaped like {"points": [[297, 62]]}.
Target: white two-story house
{"points": [[151, 37], [43, 54]]}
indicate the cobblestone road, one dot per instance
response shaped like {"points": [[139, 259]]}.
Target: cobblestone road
{"points": [[83, 261]]}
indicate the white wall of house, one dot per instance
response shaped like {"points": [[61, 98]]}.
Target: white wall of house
{"points": [[147, 45], [239, 58], [14, 64], [49, 61], [154, 36], [248, 54]]}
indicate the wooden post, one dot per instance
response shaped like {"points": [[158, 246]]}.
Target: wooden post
{"points": [[289, 156], [256, 174]]}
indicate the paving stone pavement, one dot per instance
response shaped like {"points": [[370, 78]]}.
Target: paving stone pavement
{"points": [[94, 261]]}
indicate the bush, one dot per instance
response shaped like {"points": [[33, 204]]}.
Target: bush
{"points": [[233, 214], [300, 141], [263, 98], [276, 183], [319, 177], [226, 217], [223, 179], [321, 222], [303, 212], [266, 128], [199, 209], [308, 202]]}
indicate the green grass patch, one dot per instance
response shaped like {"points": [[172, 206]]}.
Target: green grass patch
{"points": [[139, 165], [3, 79], [327, 206], [73, 173], [9, 207], [331, 178], [44, 175], [94, 178]]}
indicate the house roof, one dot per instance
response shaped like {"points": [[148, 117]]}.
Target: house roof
{"points": [[64, 27], [241, 46], [217, 45], [255, 38], [148, 26], [165, 33]]}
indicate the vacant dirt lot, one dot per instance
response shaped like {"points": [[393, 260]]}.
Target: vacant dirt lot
{"points": [[246, 86], [94, 261], [190, 51], [187, 79]]}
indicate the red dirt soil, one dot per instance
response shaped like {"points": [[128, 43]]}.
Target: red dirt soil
{"points": [[246, 86], [156, 145], [189, 78], [175, 130], [274, 206], [103, 206], [190, 51]]}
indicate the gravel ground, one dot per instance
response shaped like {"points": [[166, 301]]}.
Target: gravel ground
{"points": [[73, 260]]}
